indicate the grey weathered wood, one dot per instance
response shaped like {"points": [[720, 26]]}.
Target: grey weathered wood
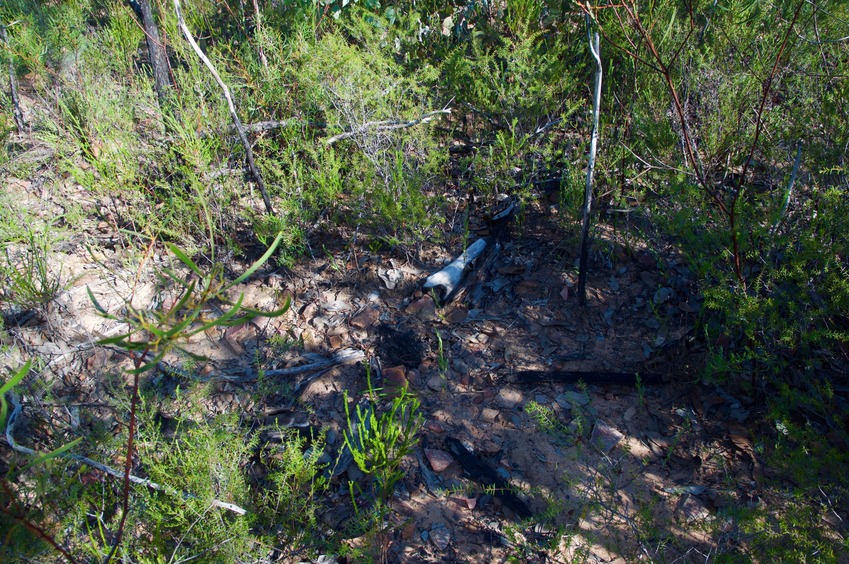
{"points": [[595, 49], [449, 277], [237, 123]]}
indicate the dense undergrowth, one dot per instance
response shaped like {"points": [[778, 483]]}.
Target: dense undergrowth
{"points": [[724, 132]]}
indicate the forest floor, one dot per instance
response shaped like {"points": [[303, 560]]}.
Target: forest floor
{"points": [[610, 472]]}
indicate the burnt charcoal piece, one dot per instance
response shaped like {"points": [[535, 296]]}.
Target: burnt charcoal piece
{"points": [[480, 472], [396, 345], [566, 377]]}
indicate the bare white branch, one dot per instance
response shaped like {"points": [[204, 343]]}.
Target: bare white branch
{"points": [[10, 438]]}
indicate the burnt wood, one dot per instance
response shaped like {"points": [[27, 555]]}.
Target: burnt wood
{"points": [[479, 471]]}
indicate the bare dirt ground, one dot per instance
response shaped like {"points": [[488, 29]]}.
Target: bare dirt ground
{"points": [[610, 472]]}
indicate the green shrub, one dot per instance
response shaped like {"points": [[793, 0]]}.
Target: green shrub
{"points": [[206, 459], [287, 501], [28, 279]]}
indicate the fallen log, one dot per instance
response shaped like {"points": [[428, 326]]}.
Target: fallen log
{"points": [[448, 279]]}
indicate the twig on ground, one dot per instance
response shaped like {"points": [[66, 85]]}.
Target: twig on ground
{"points": [[386, 125], [593, 38], [345, 356], [10, 429]]}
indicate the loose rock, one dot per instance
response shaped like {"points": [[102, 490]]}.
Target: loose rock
{"points": [[441, 536], [508, 398], [439, 460]]}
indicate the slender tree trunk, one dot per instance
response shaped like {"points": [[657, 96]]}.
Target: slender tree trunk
{"points": [[595, 49], [13, 84], [158, 57]]}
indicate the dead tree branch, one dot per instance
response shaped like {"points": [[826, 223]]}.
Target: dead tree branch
{"points": [[237, 123], [345, 356], [156, 50], [386, 125], [10, 438]]}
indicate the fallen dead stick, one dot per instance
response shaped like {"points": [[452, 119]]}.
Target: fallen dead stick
{"points": [[386, 125], [237, 123], [571, 377], [345, 356], [10, 429]]}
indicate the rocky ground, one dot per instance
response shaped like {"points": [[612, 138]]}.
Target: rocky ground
{"points": [[611, 471]]}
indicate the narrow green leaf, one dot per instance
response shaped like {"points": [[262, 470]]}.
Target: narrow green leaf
{"points": [[241, 320], [157, 332], [52, 454], [116, 340], [3, 409], [100, 309], [175, 277], [185, 323], [251, 313], [669, 27], [194, 356], [145, 367], [19, 375], [184, 258], [230, 313], [184, 298], [262, 260]]}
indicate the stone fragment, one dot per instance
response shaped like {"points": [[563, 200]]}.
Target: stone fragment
{"points": [[434, 427], [460, 367], [365, 318], [508, 398], [652, 323], [97, 360], [465, 502], [423, 308], [489, 448], [691, 509], [567, 399], [489, 415], [408, 531], [436, 383], [648, 280], [457, 315], [662, 295], [686, 307], [606, 437], [395, 376], [441, 536], [439, 460]]}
